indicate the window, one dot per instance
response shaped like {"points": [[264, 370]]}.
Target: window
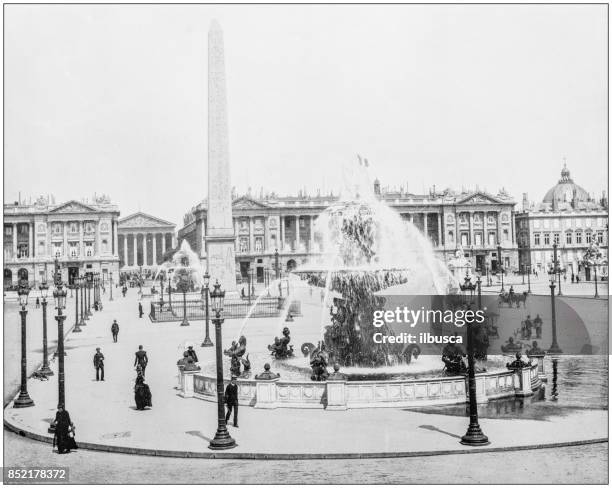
{"points": [[464, 239], [22, 251], [578, 237], [74, 228], [104, 246], [506, 235], [89, 249], [536, 239], [244, 244], [478, 239], [451, 236], [73, 249], [556, 238], [258, 244], [491, 219], [463, 218], [600, 239], [57, 228], [588, 237], [41, 247], [491, 238], [546, 239], [587, 222], [57, 249], [8, 231], [568, 237]]}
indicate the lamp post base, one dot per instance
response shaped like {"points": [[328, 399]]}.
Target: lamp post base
{"points": [[77, 328], [207, 342], [474, 437], [555, 349], [23, 400], [222, 441], [46, 370], [184, 322]]}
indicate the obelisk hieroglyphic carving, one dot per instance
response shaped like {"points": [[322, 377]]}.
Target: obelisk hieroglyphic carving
{"points": [[220, 229]]}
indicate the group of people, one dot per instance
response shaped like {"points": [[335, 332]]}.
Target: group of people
{"points": [[527, 325]]}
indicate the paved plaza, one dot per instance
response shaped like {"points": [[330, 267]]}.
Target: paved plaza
{"points": [[105, 415]]}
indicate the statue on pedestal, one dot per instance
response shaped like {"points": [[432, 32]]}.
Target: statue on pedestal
{"points": [[236, 353], [518, 363], [318, 363], [281, 348], [267, 374], [452, 357]]}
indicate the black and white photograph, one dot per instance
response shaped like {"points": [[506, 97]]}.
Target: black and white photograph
{"points": [[305, 243]]}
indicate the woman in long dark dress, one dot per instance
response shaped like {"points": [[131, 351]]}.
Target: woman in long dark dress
{"points": [[142, 394], [63, 428]]}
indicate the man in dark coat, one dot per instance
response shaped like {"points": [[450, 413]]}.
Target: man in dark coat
{"points": [[231, 400], [98, 362], [141, 359], [140, 312], [192, 354], [115, 330]]}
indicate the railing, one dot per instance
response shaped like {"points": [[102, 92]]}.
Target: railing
{"points": [[163, 312]]}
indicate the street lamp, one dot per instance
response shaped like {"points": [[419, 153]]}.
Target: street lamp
{"points": [[161, 287], [276, 263], [592, 258], [45, 369], [59, 295], [474, 435], [89, 284], [529, 278], [111, 286], [501, 267], [222, 438], [23, 400], [207, 342], [82, 287], [554, 348], [75, 285], [169, 290], [183, 287], [557, 267]]}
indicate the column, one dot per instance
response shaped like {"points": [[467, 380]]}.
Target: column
{"points": [[163, 245], [282, 233], [485, 232], [144, 249], [135, 247], [154, 249], [81, 249], [425, 225], [31, 241], [14, 241], [471, 229], [115, 239], [98, 240], [297, 232], [311, 241], [440, 236], [251, 237], [125, 250], [65, 243], [499, 239]]}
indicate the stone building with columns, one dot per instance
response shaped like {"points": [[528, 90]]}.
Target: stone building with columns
{"points": [[568, 216], [81, 235], [476, 221], [143, 241]]}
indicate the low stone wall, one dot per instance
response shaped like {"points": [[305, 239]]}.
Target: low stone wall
{"points": [[339, 394]]}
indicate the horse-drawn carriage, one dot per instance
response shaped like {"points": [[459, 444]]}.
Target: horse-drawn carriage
{"points": [[513, 298]]}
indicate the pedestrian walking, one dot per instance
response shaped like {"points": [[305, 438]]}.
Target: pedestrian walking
{"points": [[231, 400], [142, 394], [141, 359], [98, 362], [538, 326], [64, 431], [140, 312], [37, 302], [115, 330]]}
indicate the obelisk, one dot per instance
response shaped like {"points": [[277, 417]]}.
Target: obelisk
{"points": [[220, 228]]}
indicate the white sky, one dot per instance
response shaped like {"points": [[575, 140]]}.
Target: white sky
{"points": [[112, 99]]}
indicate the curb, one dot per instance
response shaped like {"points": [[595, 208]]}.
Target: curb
{"points": [[298, 456]]}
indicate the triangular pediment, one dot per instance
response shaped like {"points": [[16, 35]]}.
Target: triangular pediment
{"points": [[246, 203], [141, 219], [479, 197], [73, 207]]}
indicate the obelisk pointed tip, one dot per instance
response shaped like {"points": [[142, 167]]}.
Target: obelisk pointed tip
{"points": [[215, 26]]}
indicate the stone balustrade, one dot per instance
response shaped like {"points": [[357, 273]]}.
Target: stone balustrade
{"points": [[341, 394]]}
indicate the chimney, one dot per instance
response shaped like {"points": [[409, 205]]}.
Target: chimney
{"points": [[525, 202]]}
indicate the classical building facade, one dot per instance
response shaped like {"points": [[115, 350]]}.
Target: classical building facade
{"points": [[568, 216], [143, 241], [476, 222], [82, 236]]}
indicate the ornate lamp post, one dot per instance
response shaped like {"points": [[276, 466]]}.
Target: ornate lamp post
{"points": [[207, 342], [183, 287], [523, 273], [161, 287], [249, 285], [529, 279], [45, 369], [554, 348], [75, 285], [592, 258], [59, 295], [501, 267], [23, 400], [89, 285], [222, 438], [556, 266], [169, 291], [111, 287], [276, 263], [474, 435], [82, 286]]}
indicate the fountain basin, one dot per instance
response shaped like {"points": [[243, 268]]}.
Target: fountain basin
{"points": [[342, 394]]}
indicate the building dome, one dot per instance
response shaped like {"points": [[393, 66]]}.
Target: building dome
{"points": [[564, 190]]}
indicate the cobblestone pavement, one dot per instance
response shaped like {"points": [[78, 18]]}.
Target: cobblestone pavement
{"points": [[575, 465]]}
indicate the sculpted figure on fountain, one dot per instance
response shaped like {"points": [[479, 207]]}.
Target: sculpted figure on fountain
{"points": [[236, 353]]}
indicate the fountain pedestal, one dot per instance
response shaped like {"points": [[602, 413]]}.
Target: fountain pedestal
{"points": [[186, 381], [266, 393], [540, 359], [522, 381]]}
